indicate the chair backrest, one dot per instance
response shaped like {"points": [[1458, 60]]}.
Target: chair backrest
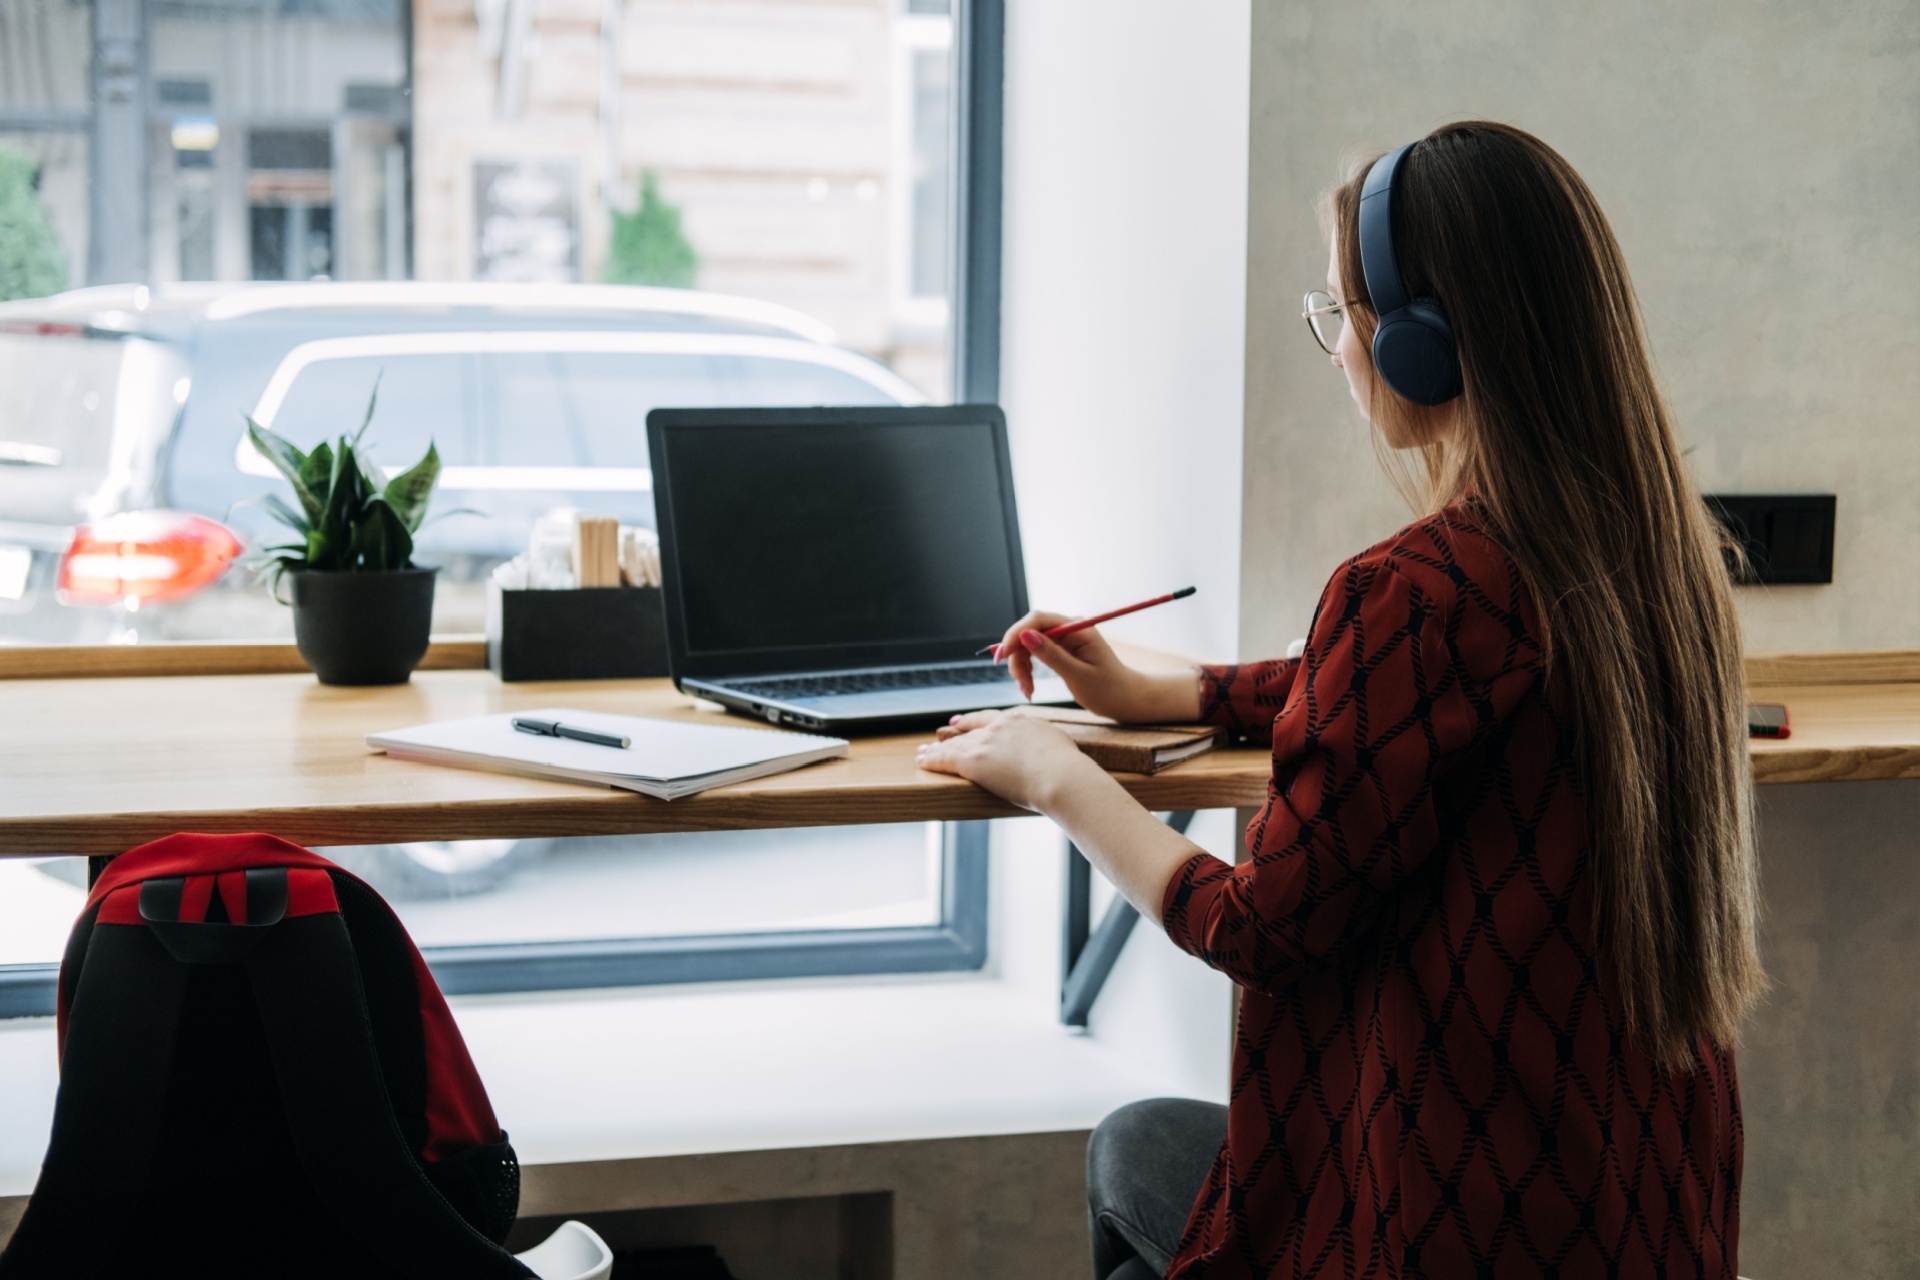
{"points": [[259, 1075]]}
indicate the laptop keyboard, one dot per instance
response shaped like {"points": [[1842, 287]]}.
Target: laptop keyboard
{"points": [[821, 686]]}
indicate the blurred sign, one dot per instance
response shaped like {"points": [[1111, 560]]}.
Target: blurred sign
{"points": [[526, 220], [195, 133]]}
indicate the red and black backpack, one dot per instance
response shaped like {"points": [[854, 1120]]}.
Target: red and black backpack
{"points": [[259, 1077]]}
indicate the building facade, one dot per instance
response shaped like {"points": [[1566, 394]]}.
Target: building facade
{"points": [[803, 147]]}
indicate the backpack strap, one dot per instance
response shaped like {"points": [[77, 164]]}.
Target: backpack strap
{"points": [[307, 987], [119, 1044]]}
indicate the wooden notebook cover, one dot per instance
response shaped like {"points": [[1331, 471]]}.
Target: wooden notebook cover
{"points": [[1118, 748]]}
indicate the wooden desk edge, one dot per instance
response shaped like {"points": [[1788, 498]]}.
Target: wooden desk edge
{"points": [[1221, 782], [1788, 763], [592, 813]]}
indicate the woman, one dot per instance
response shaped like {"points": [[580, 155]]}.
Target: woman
{"points": [[1496, 929]]}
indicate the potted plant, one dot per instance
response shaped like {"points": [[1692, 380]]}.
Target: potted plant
{"points": [[362, 610]]}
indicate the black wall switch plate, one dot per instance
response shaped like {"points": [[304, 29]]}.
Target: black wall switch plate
{"points": [[1788, 537]]}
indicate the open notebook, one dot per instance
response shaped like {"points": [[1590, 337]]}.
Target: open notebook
{"points": [[1126, 748], [668, 759]]}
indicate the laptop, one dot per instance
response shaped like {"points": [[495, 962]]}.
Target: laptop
{"points": [[840, 569]]}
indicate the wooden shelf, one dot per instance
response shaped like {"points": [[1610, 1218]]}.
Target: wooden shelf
{"points": [[200, 658]]}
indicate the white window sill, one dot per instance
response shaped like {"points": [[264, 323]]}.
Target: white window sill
{"points": [[751, 1066]]}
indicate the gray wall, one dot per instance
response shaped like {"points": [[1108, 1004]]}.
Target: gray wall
{"points": [[1761, 166], [1830, 1062]]}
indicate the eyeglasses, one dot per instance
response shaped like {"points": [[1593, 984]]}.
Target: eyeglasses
{"points": [[1325, 315]]}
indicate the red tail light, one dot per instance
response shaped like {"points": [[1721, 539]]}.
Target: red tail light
{"points": [[43, 329], [144, 555]]}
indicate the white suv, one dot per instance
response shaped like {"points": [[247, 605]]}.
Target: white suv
{"points": [[125, 399]]}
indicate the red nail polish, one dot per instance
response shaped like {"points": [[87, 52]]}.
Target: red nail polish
{"points": [[1032, 639]]}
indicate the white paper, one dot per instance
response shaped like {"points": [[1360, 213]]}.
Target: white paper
{"points": [[668, 758]]}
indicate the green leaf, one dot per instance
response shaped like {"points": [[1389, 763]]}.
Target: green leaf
{"points": [[331, 541], [318, 471], [270, 565], [288, 461], [409, 492], [373, 398], [438, 516], [277, 507], [293, 553], [372, 479], [354, 517], [381, 542]]}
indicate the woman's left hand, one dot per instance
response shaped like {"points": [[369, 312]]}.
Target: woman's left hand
{"points": [[1018, 757]]}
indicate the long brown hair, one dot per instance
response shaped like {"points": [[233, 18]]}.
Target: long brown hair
{"points": [[1565, 443]]}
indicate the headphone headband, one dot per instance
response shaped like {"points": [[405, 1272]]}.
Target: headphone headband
{"points": [[1378, 262]]}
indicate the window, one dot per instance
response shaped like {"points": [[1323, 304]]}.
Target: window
{"points": [[803, 190], [790, 171], [289, 203], [63, 388], [519, 915], [923, 204]]}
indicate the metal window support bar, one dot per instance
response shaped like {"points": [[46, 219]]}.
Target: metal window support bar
{"points": [[1090, 954], [979, 129]]}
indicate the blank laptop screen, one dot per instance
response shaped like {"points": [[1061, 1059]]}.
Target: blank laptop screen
{"points": [[839, 535]]}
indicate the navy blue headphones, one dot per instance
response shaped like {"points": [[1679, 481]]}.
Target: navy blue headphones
{"points": [[1413, 347]]}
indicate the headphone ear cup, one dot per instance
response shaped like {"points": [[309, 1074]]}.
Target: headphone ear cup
{"points": [[1413, 352]]}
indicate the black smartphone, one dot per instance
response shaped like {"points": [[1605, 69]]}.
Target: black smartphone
{"points": [[1767, 720]]}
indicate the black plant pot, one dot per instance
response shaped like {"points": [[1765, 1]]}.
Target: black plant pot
{"points": [[363, 628]]}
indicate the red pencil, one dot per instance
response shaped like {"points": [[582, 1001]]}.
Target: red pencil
{"points": [[1081, 624]]}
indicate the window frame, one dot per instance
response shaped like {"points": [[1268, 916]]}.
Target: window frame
{"points": [[959, 942], [915, 35], [979, 121]]}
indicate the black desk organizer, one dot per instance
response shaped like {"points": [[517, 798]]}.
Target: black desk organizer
{"points": [[587, 633]]}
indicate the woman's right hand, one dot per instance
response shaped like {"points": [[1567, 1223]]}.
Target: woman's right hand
{"points": [[1094, 673]]}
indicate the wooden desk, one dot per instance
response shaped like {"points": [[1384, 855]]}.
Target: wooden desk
{"points": [[1842, 733], [92, 766], [99, 766]]}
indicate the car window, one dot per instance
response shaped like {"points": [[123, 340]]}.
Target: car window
{"points": [[587, 409], [539, 409], [58, 407]]}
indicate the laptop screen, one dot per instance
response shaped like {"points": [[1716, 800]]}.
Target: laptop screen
{"points": [[883, 536]]}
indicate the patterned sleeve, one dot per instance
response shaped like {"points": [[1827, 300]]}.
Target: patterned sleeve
{"points": [[1386, 702], [1246, 696]]}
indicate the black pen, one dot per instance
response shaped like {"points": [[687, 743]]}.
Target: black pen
{"points": [[554, 729]]}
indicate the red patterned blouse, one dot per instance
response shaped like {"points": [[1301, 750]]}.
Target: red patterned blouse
{"points": [[1430, 1075]]}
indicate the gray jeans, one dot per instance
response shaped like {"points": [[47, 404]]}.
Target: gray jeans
{"points": [[1145, 1165]]}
